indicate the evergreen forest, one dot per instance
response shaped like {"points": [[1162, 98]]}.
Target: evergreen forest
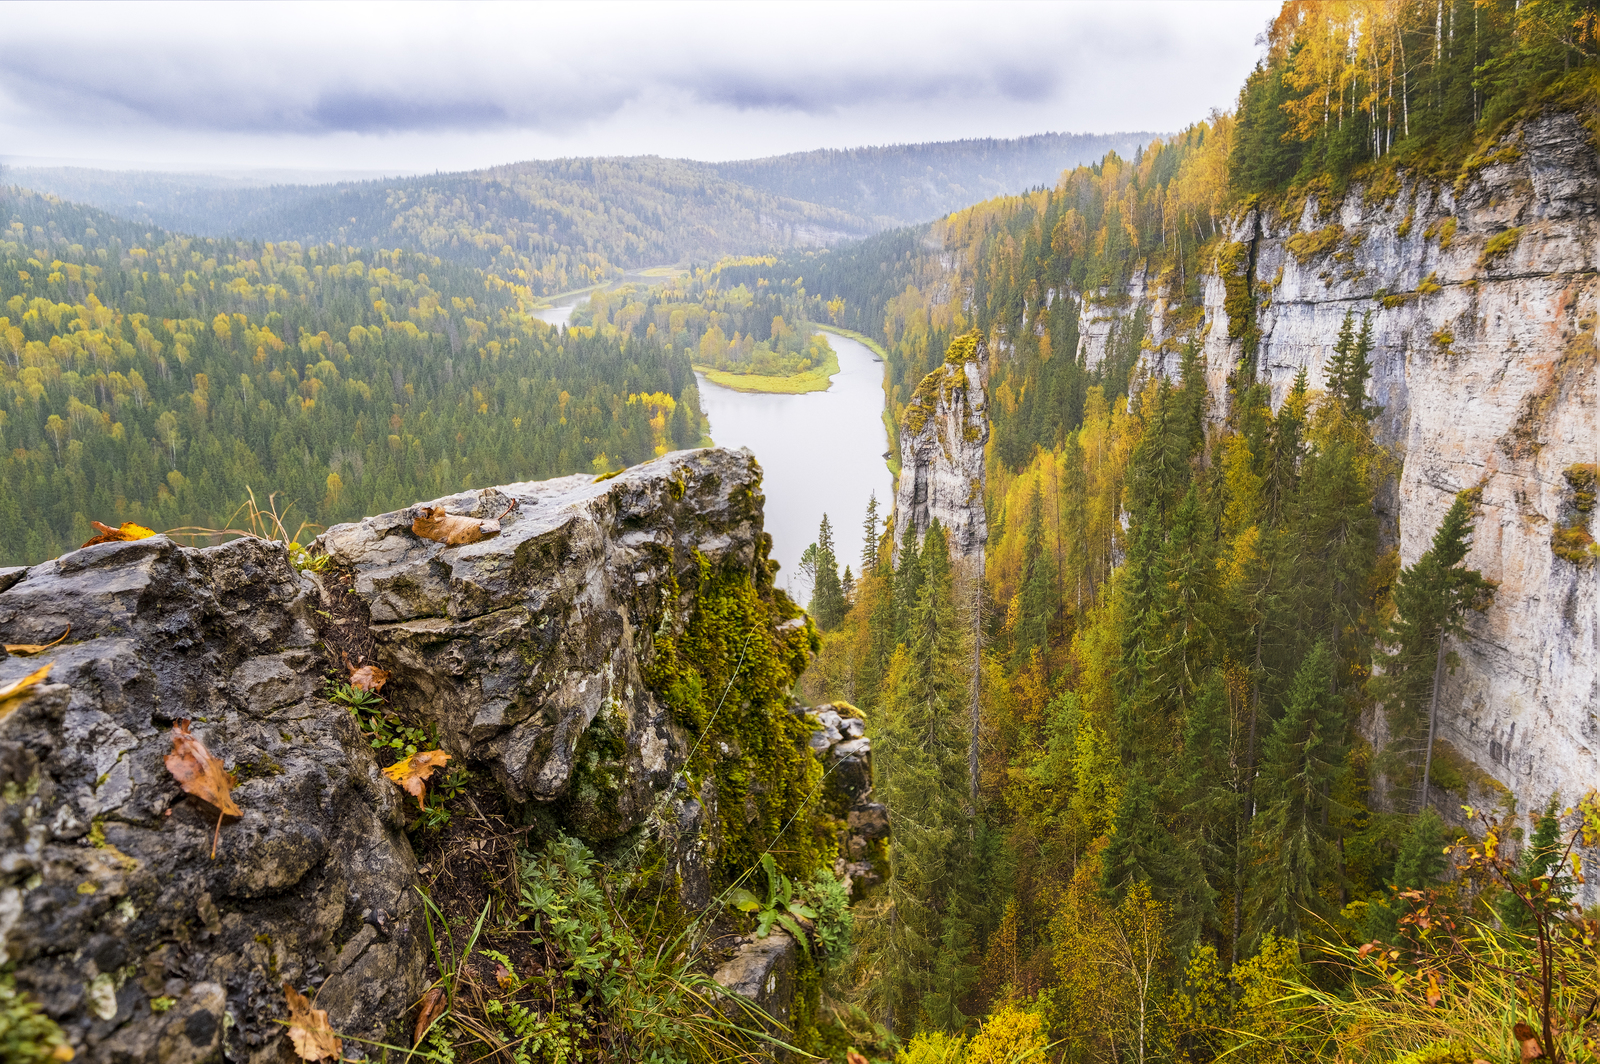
{"points": [[1138, 811], [1161, 771]]}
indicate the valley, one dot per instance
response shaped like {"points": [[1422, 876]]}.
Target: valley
{"points": [[1080, 597]]}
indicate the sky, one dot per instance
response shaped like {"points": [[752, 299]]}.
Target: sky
{"points": [[392, 88]]}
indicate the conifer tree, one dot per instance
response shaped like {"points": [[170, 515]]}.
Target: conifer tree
{"points": [[869, 537], [1038, 585], [827, 595], [1304, 754], [1431, 599], [1349, 370], [920, 769]]}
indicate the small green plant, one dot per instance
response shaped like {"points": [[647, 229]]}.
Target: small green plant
{"points": [[304, 561], [823, 904], [385, 730], [600, 991], [1499, 247], [27, 1035], [782, 907]]}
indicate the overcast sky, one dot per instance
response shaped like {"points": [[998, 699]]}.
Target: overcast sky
{"points": [[400, 88]]}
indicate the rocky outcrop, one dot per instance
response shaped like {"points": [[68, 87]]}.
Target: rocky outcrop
{"points": [[539, 656], [846, 753], [942, 436], [1483, 296], [118, 921], [518, 643]]}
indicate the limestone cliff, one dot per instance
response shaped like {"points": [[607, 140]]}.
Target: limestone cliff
{"points": [[1483, 296], [565, 661], [942, 436]]}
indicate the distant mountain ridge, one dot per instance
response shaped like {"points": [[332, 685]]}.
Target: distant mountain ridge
{"points": [[904, 184], [555, 225]]}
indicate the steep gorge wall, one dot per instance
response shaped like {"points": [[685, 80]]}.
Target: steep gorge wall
{"points": [[942, 436], [1483, 296]]}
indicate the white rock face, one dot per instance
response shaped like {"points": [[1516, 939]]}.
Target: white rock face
{"points": [[1487, 380], [941, 452]]}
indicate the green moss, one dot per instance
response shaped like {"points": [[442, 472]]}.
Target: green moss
{"points": [[27, 1035], [727, 679], [1305, 246], [1447, 233], [1233, 263], [1571, 540], [1499, 247], [1429, 285]]}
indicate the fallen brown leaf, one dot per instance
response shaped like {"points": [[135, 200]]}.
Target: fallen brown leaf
{"points": [[1435, 995], [34, 648], [412, 773], [852, 1057], [127, 531], [309, 1029], [366, 677], [453, 530], [1529, 1041], [431, 1009], [199, 773]]}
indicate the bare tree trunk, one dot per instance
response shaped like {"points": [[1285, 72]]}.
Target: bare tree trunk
{"points": [[977, 682], [1433, 707]]}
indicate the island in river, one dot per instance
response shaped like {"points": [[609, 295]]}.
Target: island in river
{"points": [[816, 379]]}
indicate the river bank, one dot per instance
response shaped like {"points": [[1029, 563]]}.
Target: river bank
{"points": [[820, 453]]}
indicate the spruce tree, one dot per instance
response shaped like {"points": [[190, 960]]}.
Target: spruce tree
{"points": [[1431, 599], [1296, 852], [1038, 586], [1349, 370], [869, 537], [920, 769], [827, 595]]}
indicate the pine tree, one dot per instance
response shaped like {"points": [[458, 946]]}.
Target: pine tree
{"points": [[1431, 599], [1349, 370], [1037, 595], [869, 537], [1304, 754], [919, 764], [827, 595]]}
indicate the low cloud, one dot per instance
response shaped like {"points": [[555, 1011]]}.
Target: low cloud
{"points": [[254, 72]]}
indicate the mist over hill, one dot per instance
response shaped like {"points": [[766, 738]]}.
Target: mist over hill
{"points": [[910, 183], [559, 224]]}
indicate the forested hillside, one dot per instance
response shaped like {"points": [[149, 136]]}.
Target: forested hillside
{"points": [[1200, 720], [155, 378], [908, 183], [549, 226]]}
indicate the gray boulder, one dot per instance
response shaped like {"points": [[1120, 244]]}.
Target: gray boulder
{"points": [[117, 919]]}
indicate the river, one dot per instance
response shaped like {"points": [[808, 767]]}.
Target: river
{"points": [[820, 453]]}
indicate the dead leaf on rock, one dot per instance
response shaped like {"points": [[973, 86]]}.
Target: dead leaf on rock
{"points": [[431, 1009], [309, 1029], [127, 531], [25, 649], [201, 774], [412, 773], [452, 530], [16, 687], [367, 677]]}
